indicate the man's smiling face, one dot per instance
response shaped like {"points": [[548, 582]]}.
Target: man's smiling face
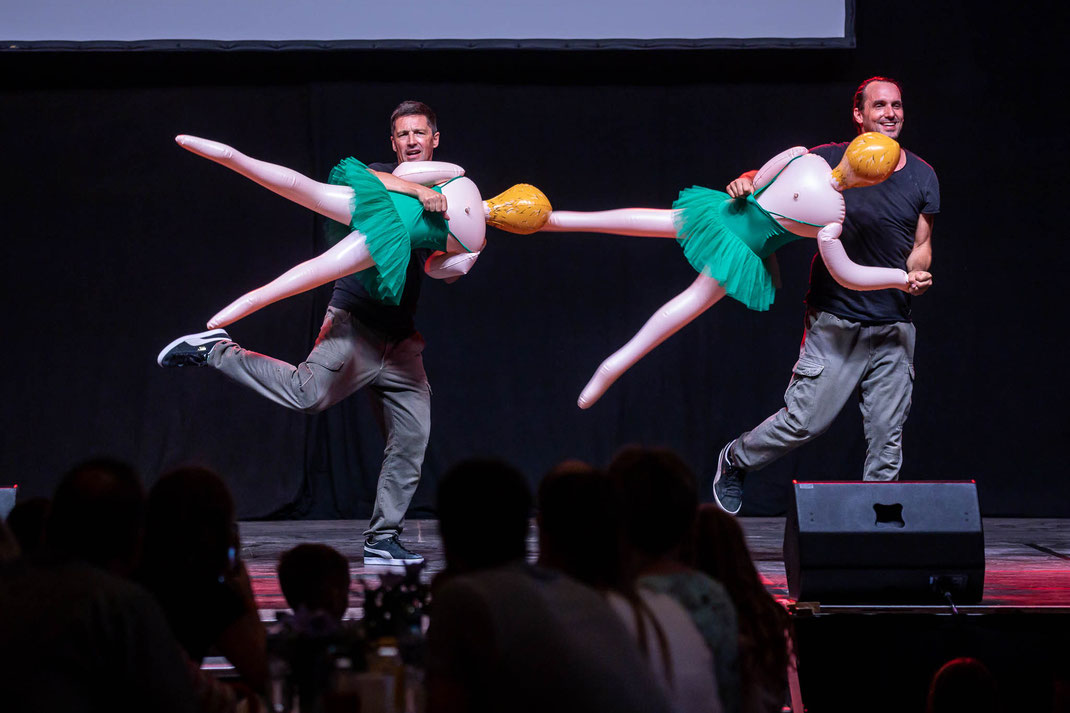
{"points": [[882, 109]]}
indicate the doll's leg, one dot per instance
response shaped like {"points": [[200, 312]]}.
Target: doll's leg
{"points": [[348, 256], [335, 202], [673, 315], [644, 222]]}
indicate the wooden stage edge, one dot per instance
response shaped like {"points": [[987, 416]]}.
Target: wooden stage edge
{"points": [[1027, 561]]}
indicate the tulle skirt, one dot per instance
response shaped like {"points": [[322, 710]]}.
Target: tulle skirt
{"points": [[728, 240], [392, 225]]}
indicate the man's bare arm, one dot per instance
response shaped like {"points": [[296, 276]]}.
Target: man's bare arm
{"points": [[431, 200], [921, 256]]}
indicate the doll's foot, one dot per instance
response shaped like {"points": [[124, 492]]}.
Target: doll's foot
{"points": [[205, 147], [241, 307], [597, 386]]}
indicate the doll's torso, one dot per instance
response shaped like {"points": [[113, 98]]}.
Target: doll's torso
{"points": [[802, 198], [467, 226]]}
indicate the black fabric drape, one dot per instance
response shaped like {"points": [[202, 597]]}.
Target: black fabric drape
{"points": [[116, 241]]}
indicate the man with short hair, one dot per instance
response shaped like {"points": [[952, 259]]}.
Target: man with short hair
{"points": [[853, 341], [364, 342]]}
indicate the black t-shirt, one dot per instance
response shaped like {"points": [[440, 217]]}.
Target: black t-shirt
{"points": [[396, 321], [879, 231]]}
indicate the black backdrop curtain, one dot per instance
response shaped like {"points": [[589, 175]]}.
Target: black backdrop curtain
{"points": [[116, 241]]}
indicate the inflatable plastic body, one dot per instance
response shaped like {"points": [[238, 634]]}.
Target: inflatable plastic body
{"points": [[802, 193], [351, 254]]}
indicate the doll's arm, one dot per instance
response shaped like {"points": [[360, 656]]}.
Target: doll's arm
{"points": [[644, 222], [428, 173], [850, 274], [775, 165], [449, 267]]}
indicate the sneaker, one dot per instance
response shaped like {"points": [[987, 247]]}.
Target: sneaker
{"points": [[192, 349], [389, 551], [728, 483]]}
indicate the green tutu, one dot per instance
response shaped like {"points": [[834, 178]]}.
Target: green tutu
{"points": [[393, 225], [728, 239]]}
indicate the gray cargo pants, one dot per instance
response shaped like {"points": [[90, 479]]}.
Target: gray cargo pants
{"points": [[838, 357], [348, 356]]}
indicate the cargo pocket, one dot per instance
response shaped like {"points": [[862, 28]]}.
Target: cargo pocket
{"points": [[801, 396], [335, 331], [329, 359], [810, 367]]}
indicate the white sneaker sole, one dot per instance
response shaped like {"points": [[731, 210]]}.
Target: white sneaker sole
{"points": [[717, 477], [194, 340], [390, 561]]}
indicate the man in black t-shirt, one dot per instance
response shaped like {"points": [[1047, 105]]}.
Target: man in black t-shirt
{"points": [[363, 343], [853, 341]]}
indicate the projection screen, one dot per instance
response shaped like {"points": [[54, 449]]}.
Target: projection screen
{"points": [[424, 24]]}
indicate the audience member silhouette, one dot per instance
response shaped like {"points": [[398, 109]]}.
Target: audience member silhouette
{"points": [[77, 636], [9, 545], [498, 498], [578, 514], [962, 685], [27, 521], [315, 581], [569, 530], [508, 635], [98, 516], [720, 550], [191, 565], [659, 501]]}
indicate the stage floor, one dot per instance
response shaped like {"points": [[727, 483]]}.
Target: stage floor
{"points": [[1027, 560], [874, 658]]}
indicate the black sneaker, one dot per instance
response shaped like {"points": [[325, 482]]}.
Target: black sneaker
{"points": [[728, 483], [192, 349], [389, 551]]}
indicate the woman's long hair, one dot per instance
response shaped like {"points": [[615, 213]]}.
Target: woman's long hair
{"points": [[719, 549]]}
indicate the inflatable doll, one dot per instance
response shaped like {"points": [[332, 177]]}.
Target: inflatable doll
{"points": [[730, 241], [383, 226]]}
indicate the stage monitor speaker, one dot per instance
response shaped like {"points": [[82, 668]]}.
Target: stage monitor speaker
{"points": [[7, 501], [895, 543]]}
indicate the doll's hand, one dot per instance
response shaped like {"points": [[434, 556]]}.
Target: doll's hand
{"points": [[831, 231]]}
